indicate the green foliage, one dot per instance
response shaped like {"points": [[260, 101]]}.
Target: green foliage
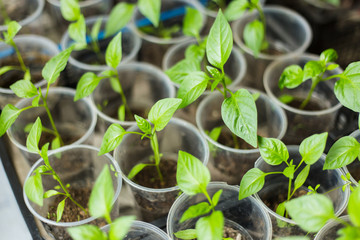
{"points": [[343, 152], [119, 16], [151, 10], [192, 22], [252, 182], [254, 35], [114, 52], [162, 111]]}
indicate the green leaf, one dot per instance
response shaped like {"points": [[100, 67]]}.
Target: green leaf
{"points": [[151, 10], [102, 194], [120, 227], [348, 233], [312, 69], [86, 85], [343, 152], [51, 193], [235, 9], [35, 101], [119, 16], [24, 89], [214, 72], [55, 65], [41, 169], [196, 210], [96, 29], [291, 77], [196, 52], [220, 42], [281, 211], [136, 169], [186, 234], [182, 69], [215, 133], [348, 87], [273, 151], [192, 87], [313, 147], [332, 67], [240, 116], [34, 190], [289, 171], [112, 138], [44, 154], [32, 141], [210, 227], [301, 177], [254, 34], [192, 22], [55, 143], [143, 124], [252, 182], [60, 210], [191, 175], [285, 98], [114, 52], [77, 32], [162, 111], [8, 116], [216, 197], [70, 9], [311, 212], [329, 55], [86, 232], [354, 207], [12, 29], [121, 113]]}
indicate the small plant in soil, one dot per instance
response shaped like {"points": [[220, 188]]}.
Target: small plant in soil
{"points": [[311, 213], [274, 152], [192, 178], [346, 88], [159, 116], [26, 89], [100, 206], [34, 187]]}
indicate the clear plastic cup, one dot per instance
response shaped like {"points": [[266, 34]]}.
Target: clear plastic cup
{"points": [[75, 121], [79, 166], [329, 231], [287, 33], [354, 167], [34, 50], [303, 123], [246, 215], [154, 204], [143, 85], [277, 185], [226, 163]]}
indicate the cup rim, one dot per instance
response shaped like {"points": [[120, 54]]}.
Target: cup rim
{"points": [[34, 40], [176, 121], [65, 41], [217, 185], [30, 18], [162, 41], [149, 68], [267, 76], [211, 96], [284, 11], [330, 224], [84, 221], [83, 4], [57, 90]]}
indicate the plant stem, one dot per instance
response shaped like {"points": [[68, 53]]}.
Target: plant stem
{"points": [[123, 97], [314, 83], [21, 60], [155, 147]]}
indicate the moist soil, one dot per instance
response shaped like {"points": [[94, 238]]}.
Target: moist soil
{"points": [[48, 138], [129, 116], [311, 106], [275, 199], [230, 232]]}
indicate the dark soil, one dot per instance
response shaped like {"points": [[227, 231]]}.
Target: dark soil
{"points": [[274, 200], [231, 140], [48, 138], [311, 106], [129, 116]]}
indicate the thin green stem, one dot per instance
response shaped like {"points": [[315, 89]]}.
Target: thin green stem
{"points": [[302, 160], [155, 147], [122, 94], [208, 197], [346, 184], [21, 60], [289, 190], [314, 83]]}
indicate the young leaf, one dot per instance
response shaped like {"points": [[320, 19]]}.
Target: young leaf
{"points": [[348, 233], [210, 227], [254, 34], [60, 210], [55, 143], [55, 65], [196, 210], [354, 207], [119, 16], [191, 175], [86, 232], [285, 98], [151, 10], [77, 32], [240, 116], [343, 152], [12, 29], [86, 85], [215, 133], [192, 87], [289, 171], [192, 22], [313, 147], [44, 154], [329, 55], [162, 111], [34, 190], [121, 112], [32, 141], [24, 89], [114, 52], [96, 29], [251, 183], [186, 234], [70, 9], [136, 169], [311, 212], [291, 77], [120, 227], [112, 138], [280, 210], [35, 101], [216, 197], [51, 193], [143, 124], [301, 177], [220, 42], [196, 52], [182, 69], [8, 116], [102, 194], [312, 69], [236, 9], [273, 151]]}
